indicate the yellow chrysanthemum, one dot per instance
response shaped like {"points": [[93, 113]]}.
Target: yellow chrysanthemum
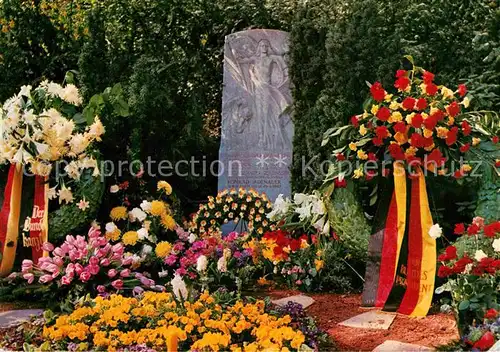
{"points": [[114, 235], [164, 185], [118, 213], [158, 208], [163, 249], [168, 222], [130, 238]]}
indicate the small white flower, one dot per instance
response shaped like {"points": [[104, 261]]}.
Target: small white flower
{"points": [[280, 207], [304, 211], [318, 207], [114, 189], [137, 214], [201, 263], [163, 273], [496, 245], [179, 287], [192, 237], [110, 227], [222, 265], [146, 206], [480, 255], [146, 249], [300, 198], [435, 231], [142, 233]]}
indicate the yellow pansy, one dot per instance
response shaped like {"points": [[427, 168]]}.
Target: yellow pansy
{"points": [[442, 132], [358, 173], [374, 109], [353, 146], [362, 155], [476, 141], [395, 117]]}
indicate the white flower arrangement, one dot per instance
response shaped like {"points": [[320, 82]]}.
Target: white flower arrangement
{"points": [[38, 128], [310, 209]]}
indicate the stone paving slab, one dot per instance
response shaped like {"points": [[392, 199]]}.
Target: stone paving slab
{"points": [[16, 317], [391, 345], [370, 320], [305, 301]]}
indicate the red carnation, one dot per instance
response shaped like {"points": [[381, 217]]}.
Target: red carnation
{"points": [[428, 77], [386, 172], [485, 342], [430, 122], [451, 137], [466, 129], [417, 140], [417, 120], [444, 271], [340, 157], [372, 156], [396, 152], [382, 132], [383, 113], [451, 252], [462, 90], [459, 229], [400, 73], [355, 121], [491, 313], [400, 127], [295, 245], [370, 174], [377, 91], [408, 103], [495, 140], [453, 109], [491, 229], [465, 148], [473, 229], [436, 157], [402, 83], [497, 163], [340, 184], [458, 174], [377, 141], [431, 89], [421, 104]]}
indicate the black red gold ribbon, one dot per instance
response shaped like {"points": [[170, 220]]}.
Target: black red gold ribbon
{"points": [[402, 256]]}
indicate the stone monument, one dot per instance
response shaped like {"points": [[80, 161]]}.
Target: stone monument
{"points": [[257, 129]]}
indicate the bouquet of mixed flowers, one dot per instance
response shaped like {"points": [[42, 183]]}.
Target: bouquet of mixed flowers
{"points": [[142, 227], [472, 269], [422, 124], [307, 212], [44, 129]]}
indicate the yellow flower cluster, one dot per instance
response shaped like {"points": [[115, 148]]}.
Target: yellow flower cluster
{"points": [[232, 206], [160, 322]]}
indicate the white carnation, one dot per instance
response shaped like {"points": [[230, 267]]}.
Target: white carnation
{"points": [[435, 231], [479, 255], [496, 245], [146, 206], [137, 214]]}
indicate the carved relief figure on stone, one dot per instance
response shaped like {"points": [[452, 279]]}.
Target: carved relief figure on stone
{"points": [[261, 71]]}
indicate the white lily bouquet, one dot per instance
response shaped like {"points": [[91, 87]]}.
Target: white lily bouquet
{"points": [[305, 211], [43, 126]]}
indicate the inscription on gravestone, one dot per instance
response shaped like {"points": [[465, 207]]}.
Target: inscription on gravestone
{"points": [[257, 130]]}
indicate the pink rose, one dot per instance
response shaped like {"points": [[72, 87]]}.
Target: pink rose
{"points": [[58, 261], [101, 289], [127, 261], [45, 279], [70, 269], [94, 232], [479, 221], [47, 246], [66, 280], [27, 265], [59, 252], [125, 273], [105, 262], [30, 277], [85, 276], [112, 273], [94, 269], [78, 268], [117, 284]]}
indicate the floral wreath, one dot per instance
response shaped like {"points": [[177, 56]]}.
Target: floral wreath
{"points": [[247, 208]]}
